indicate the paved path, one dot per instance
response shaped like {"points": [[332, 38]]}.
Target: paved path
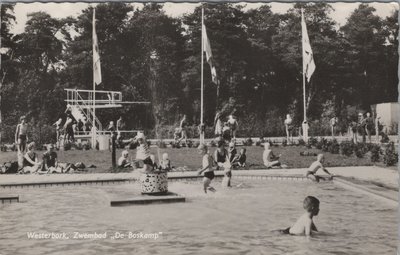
{"points": [[385, 176]]}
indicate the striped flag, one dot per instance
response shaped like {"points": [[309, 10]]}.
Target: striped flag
{"points": [[308, 59], [96, 54], [207, 50]]}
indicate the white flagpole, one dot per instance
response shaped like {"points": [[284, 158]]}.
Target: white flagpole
{"points": [[305, 125], [94, 84], [202, 84]]}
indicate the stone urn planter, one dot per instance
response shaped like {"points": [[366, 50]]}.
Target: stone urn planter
{"points": [[154, 183]]}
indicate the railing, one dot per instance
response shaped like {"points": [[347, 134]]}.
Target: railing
{"points": [[102, 96], [90, 111]]}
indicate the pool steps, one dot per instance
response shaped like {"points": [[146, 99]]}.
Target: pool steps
{"points": [[9, 199], [170, 197]]}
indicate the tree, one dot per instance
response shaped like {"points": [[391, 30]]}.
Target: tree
{"points": [[364, 34]]}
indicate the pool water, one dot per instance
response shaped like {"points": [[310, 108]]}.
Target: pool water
{"points": [[234, 221]]}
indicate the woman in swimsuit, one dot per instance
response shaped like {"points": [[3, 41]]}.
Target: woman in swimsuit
{"points": [[221, 157], [31, 162]]}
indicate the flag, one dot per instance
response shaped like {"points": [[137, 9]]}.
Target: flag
{"points": [[308, 59], [207, 50], [96, 54]]}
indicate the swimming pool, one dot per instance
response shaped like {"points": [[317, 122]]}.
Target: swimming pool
{"points": [[234, 221]]}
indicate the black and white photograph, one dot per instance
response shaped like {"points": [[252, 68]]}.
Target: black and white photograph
{"points": [[199, 127]]}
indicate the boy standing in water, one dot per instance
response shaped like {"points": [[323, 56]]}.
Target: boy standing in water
{"points": [[305, 225], [207, 164], [312, 170]]}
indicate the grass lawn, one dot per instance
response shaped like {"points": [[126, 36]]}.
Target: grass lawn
{"points": [[189, 159]]}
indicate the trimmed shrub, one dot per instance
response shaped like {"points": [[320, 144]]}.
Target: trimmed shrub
{"points": [[302, 142], [346, 148], [360, 149], [312, 141], [375, 152], [334, 147], [321, 143], [390, 157]]}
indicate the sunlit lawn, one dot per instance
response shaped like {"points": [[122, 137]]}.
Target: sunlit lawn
{"points": [[189, 159]]}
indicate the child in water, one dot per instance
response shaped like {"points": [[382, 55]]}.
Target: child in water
{"points": [[206, 168], [312, 170], [305, 225]]}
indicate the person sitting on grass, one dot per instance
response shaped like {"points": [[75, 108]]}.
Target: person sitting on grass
{"points": [[312, 170], [50, 164], [232, 152], [240, 159], [221, 157], [123, 161], [31, 163], [207, 168], [269, 159], [165, 164], [305, 224], [177, 135]]}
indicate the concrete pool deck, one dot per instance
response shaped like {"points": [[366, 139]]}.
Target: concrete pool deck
{"points": [[387, 177]]}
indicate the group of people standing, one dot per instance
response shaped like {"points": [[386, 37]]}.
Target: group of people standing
{"points": [[363, 126]]}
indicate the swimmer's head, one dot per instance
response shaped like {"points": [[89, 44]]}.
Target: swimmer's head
{"points": [[22, 118], [311, 204], [231, 145], [287, 116], [125, 153], [243, 151], [320, 157], [165, 156]]}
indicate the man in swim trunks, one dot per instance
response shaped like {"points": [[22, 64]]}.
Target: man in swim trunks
{"points": [[21, 135], [312, 170], [207, 165]]}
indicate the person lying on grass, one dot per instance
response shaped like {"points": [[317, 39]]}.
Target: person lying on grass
{"points": [[312, 170], [305, 224], [207, 164]]}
